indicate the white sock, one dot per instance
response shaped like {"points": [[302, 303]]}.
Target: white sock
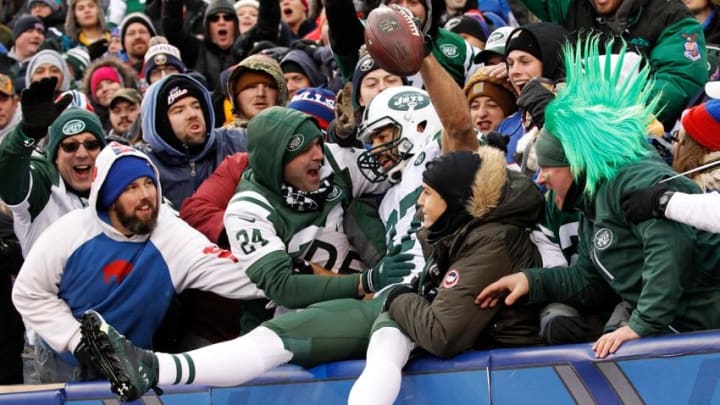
{"points": [[225, 364], [387, 353]]}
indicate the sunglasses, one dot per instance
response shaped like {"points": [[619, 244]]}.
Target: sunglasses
{"points": [[72, 147], [217, 17]]}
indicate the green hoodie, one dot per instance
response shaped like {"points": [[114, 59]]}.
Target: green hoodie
{"points": [[265, 233]]}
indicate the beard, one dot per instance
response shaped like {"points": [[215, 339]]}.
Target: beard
{"points": [[135, 224]]}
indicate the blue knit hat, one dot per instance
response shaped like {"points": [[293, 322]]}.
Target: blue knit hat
{"points": [[162, 54], [317, 102], [123, 172], [27, 23]]}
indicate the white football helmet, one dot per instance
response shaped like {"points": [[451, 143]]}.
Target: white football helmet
{"points": [[415, 122]]}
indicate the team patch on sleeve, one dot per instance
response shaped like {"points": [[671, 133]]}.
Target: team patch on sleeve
{"points": [[691, 49], [451, 279]]}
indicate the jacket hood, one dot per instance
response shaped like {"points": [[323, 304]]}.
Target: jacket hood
{"points": [[308, 66], [257, 63], [105, 160], [220, 6], [269, 133], [128, 76], [503, 195], [149, 118]]}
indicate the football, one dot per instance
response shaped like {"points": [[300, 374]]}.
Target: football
{"points": [[394, 40]]}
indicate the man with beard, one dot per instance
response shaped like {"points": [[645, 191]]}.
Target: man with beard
{"points": [[136, 30], [127, 252], [124, 110], [177, 125]]}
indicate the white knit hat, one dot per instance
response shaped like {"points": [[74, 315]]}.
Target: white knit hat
{"points": [[242, 3]]}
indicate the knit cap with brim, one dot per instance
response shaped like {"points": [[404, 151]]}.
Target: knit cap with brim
{"points": [[499, 90], [73, 121]]}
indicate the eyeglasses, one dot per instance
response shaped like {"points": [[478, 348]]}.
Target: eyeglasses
{"points": [[217, 17], [72, 147]]}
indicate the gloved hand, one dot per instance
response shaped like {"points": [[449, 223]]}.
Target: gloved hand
{"points": [[390, 270], [39, 108], [396, 291], [498, 141], [301, 266], [534, 98], [642, 204], [98, 48], [345, 125]]}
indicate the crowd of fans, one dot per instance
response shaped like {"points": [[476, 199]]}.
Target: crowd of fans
{"points": [[258, 127]]}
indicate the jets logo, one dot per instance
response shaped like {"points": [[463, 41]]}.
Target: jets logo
{"points": [[334, 194], [408, 100], [296, 142], [420, 159], [451, 279], [449, 50], [73, 127], [496, 36], [603, 239]]}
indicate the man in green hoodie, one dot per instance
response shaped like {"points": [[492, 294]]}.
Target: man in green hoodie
{"points": [[666, 271]]}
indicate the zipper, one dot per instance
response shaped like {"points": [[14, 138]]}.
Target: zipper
{"points": [[597, 262], [192, 169]]}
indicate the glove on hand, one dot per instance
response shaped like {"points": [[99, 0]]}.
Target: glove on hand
{"points": [[98, 48], [396, 291], [534, 98], [498, 141], [345, 126], [301, 266], [390, 270], [642, 204], [39, 108]]}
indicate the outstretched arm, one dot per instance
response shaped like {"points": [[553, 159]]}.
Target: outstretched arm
{"points": [[446, 95]]}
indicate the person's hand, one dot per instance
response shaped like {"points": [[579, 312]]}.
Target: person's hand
{"points": [[644, 203], [517, 284], [98, 48], [396, 291], [534, 97], [39, 108], [390, 270], [344, 113], [500, 70], [609, 343]]}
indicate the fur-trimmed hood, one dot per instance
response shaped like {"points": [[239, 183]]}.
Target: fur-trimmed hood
{"points": [[503, 195]]}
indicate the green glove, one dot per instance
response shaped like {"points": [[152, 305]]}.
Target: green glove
{"points": [[390, 270]]}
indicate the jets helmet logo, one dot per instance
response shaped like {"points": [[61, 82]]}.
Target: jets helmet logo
{"points": [[296, 141], [408, 100]]}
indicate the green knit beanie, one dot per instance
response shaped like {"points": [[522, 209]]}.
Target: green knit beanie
{"points": [[304, 135], [549, 150], [73, 121]]}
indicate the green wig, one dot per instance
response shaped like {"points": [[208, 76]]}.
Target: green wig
{"points": [[600, 117]]}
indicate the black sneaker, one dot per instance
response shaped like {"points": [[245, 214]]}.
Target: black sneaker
{"points": [[132, 371]]}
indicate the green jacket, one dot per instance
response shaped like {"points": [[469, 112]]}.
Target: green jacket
{"points": [[665, 33], [265, 234], [443, 318], [33, 189], [668, 271]]}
